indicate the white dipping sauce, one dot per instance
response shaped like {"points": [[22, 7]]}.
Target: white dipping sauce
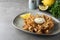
{"points": [[39, 20]]}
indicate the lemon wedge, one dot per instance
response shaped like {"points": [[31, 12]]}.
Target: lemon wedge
{"points": [[43, 8], [25, 16], [48, 2]]}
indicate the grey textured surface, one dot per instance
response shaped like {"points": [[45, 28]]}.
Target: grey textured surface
{"points": [[8, 10]]}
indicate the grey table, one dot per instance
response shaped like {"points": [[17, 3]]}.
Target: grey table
{"points": [[10, 9]]}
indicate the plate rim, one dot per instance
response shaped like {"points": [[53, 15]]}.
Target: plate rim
{"points": [[32, 32]]}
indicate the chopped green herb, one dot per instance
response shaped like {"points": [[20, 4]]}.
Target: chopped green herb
{"points": [[55, 9]]}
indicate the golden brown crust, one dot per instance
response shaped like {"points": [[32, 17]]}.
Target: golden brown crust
{"points": [[31, 26]]}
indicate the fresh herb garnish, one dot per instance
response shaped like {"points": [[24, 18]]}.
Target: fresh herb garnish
{"points": [[55, 9]]}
